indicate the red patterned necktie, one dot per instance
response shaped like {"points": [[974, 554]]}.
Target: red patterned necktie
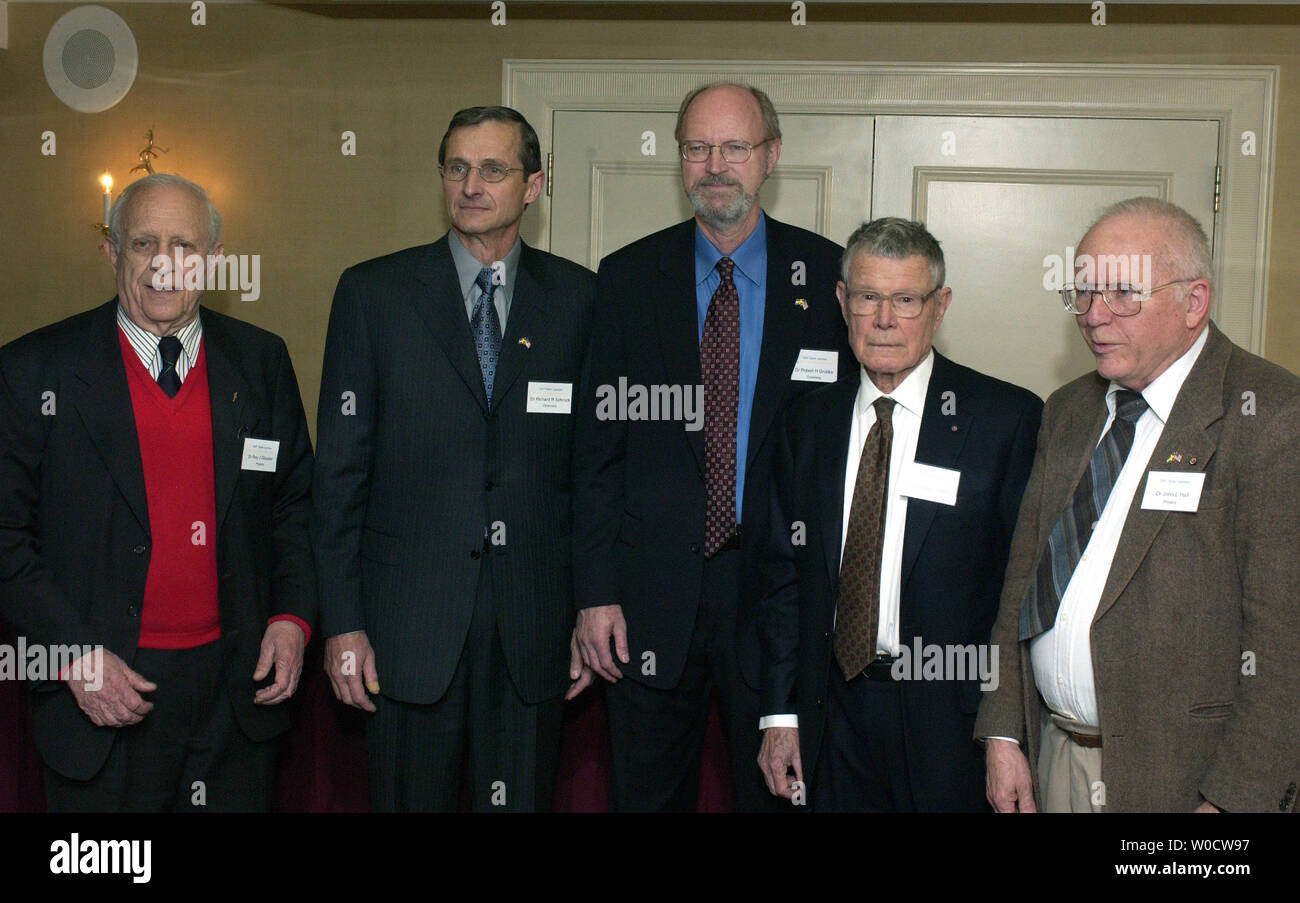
{"points": [[857, 602], [720, 368]]}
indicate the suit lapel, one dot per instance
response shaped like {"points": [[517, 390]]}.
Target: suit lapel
{"points": [[105, 409], [1190, 433], [228, 393], [833, 431], [939, 444], [442, 308], [527, 312], [784, 326], [677, 321]]}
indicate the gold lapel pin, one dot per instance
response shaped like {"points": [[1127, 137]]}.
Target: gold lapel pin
{"points": [[235, 397], [524, 341], [1176, 457], [800, 302], [1192, 462]]}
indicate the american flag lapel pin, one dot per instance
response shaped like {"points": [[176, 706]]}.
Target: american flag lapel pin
{"points": [[1175, 458], [524, 341], [801, 303]]}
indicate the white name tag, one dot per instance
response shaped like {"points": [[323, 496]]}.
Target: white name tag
{"points": [[260, 454], [1172, 491], [550, 398], [816, 366], [931, 484]]}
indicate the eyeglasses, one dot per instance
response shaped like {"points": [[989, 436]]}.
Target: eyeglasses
{"points": [[906, 305], [1123, 300], [732, 151], [488, 172]]}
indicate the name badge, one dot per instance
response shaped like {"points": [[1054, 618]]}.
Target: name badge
{"points": [[1172, 491], [816, 366], [930, 484], [550, 398], [260, 454]]}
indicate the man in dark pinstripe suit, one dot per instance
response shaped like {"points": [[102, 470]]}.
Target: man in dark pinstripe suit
{"points": [[442, 492]]}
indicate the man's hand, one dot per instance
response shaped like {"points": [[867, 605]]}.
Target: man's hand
{"points": [[117, 702], [594, 628], [348, 688], [1007, 784], [579, 673], [281, 646], [780, 753]]}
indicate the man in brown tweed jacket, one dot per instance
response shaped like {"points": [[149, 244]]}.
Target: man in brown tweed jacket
{"points": [[1149, 624]]}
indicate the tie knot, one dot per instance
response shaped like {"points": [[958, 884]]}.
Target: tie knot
{"points": [[1129, 405], [884, 406], [725, 266], [484, 280], [169, 347]]}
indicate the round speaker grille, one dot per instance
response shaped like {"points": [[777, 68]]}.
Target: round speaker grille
{"points": [[90, 59]]}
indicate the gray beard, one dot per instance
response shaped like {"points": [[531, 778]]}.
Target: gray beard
{"points": [[728, 215]]}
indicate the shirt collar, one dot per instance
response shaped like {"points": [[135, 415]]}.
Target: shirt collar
{"points": [[1163, 391], [910, 393], [468, 266], [145, 343], [750, 258]]}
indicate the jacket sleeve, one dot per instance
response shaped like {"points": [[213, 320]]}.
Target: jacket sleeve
{"points": [[346, 418]]}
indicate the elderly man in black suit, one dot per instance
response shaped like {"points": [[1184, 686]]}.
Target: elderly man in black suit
{"points": [[903, 481], [443, 488], [732, 312], [155, 478]]}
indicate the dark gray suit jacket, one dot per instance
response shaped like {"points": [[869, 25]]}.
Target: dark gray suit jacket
{"points": [[413, 464]]}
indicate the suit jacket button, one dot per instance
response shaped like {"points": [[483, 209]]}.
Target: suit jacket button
{"points": [[819, 702], [139, 550], [133, 611], [487, 487], [475, 554], [695, 548]]}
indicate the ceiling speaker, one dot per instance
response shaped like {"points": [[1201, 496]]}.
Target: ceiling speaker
{"points": [[90, 59]]}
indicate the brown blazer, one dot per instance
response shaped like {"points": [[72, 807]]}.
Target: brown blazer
{"points": [[1196, 640]]}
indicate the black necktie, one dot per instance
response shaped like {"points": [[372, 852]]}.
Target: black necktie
{"points": [[170, 350], [1074, 527]]}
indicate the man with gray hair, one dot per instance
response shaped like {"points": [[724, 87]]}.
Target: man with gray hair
{"points": [[740, 306], [155, 477], [1152, 602], [894, 498]]}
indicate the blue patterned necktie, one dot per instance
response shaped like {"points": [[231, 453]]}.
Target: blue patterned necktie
{"points": [[486, 326], [1074, 528]]}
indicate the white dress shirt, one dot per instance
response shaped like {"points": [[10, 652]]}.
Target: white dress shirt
{"points": [[906, 419], [1062, 656], [146, 345]]}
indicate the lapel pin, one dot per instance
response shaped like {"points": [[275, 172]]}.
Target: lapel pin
{"points": [[954, 427], [235, 397], [1193, 461], [1176, 457], [800, 302], [524, 341]]}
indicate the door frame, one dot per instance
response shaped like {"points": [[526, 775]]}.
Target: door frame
{"points": [[1240, 98]]}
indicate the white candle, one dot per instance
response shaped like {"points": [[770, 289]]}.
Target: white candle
{"points": [[107, 181]]}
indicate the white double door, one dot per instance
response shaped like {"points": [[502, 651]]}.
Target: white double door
{"points": [[1001, 194]]}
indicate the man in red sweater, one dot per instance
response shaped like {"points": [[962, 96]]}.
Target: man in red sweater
{"points": [[155, 474]]}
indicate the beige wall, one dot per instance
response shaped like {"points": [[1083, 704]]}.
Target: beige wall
{"points": [[251, 105]]}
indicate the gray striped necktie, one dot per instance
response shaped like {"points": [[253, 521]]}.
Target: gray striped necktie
{"points": [[1074, 527]]}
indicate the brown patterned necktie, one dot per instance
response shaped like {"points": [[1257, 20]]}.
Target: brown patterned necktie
{"points": [[857, 601], [720, 368]]}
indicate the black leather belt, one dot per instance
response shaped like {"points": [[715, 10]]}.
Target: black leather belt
{"points": [[880, 669]]}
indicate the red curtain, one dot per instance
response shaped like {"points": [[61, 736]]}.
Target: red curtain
{"points": [[323, 768]]}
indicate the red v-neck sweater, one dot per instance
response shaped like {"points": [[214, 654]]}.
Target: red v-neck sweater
{"points": [[175, 435]]}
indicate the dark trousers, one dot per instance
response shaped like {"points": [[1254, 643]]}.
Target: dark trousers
{"points": [[416, 752], [187, 755], [657, 735], [862, 765]]}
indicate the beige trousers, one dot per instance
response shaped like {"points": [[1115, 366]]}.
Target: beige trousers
{"points": [[1069, 775]]}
